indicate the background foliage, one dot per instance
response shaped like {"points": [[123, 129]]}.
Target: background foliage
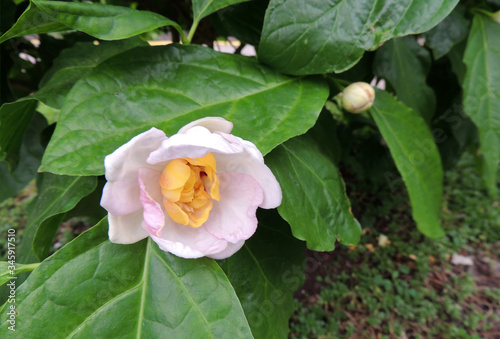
{"points": [[79, 79]]}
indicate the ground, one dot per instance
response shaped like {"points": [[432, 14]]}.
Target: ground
{"points": [[399, 284]]}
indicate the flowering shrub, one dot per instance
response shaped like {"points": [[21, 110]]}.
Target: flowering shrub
{"points": [[203, 232]]}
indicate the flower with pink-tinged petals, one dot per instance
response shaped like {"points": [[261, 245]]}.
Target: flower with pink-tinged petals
{"points": [[195, 194]]}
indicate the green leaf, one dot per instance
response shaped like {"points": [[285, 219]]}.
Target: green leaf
{"points": [[331, 36], [30, 157], [265, 274], [482, 92], [49, 113], [168, 87], [33, 21], [92, 288], [104, 21], [14, 119], [314, 199], [7, 272], [56, 195], [451, 31], [202, 8], [405, 65], [89, 207], [101, 21], [75, 62], [416, 156]]}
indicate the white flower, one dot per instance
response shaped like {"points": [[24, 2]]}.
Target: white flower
{"points": [[195, 193]]}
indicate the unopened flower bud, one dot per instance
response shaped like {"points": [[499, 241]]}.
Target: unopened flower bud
{"points": [[358, 97]]}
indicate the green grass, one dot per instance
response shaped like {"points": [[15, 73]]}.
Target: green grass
{"points": [[408, 288]]}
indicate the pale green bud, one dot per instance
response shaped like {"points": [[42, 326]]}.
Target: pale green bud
{"points": [[358, 97]]}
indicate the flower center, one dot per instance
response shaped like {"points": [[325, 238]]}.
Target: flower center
{"points": [[187, 185]]}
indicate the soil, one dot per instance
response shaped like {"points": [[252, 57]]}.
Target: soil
{"points": [[485, 271]]}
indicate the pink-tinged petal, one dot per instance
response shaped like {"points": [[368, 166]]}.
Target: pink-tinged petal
{"points": [[126, 229], [188, 242], [248, 164], [194, 143], [229, 251], [121, 193], [150, 197], [213, 124], [131, 156], [233, 217], [121, 197]]}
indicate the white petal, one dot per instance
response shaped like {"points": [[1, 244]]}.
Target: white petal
{"points": [[249, 147], [213, 124], [233, 217], [121, 197], [126, 229], [194, 143], [251, 162], [131, 156], [188, 242], [121, 192], [229, 251]]}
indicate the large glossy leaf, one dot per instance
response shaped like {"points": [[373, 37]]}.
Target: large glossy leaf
{"points": [[451, 31], [56, 195], [482, 92], [168, 87], [33, 21], [314, 199], [327, 35], [265, 274], [92, 288], [101, 21], [202, 8], [14, 119], [75, 62], [416, 156], [405, 64]]}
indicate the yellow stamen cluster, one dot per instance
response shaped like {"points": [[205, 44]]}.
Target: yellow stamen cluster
{"points": [[187, 186]]}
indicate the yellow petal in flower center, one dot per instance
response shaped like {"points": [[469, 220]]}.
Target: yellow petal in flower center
{"points": [[187, 186]]}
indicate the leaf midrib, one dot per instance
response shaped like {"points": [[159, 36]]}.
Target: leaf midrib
{"points": [[147, 261], [254, 259], [142, 283], [186, 292]]}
